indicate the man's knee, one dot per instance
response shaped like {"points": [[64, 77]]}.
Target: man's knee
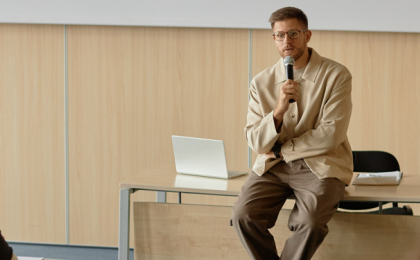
{"points": [[240, 213], [309, 224]]}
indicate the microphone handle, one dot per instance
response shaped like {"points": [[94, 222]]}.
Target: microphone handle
{"points": [[289, 72]]}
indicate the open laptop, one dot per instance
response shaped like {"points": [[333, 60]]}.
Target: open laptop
{"points": [[203, 157]]}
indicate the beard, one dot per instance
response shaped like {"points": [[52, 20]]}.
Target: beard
{"points": [[298, 53]]}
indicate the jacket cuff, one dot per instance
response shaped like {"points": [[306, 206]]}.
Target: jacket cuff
{"points": [[268, 128], [272, 131], [286, 149]]}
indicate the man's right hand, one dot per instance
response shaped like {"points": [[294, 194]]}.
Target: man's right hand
{"points": [[288, 90]]}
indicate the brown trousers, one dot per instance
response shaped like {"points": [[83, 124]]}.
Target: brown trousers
{"points": [[262, 198]]}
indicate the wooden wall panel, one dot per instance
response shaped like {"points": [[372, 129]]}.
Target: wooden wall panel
{"points": [[32, 167], [130, 89], [184, 232], [386, 89]]}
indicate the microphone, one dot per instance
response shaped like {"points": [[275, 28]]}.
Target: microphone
{"points": [[288, 63]]}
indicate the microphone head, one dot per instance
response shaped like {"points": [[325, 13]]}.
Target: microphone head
{"points": [[289, 61]]}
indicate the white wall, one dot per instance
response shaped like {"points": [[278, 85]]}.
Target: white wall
{"points": [[350, 15]]}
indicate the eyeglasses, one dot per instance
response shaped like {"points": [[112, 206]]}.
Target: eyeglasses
{"points": [[293, 34]]}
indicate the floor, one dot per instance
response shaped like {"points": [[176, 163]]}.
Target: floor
{"points": [[66, 252]]}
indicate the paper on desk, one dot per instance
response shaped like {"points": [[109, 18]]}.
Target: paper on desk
{"points": [[197, 182], [29, 258], [378, 178]]}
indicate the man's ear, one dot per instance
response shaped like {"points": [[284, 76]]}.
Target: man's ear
{"points": [[308, 36]]}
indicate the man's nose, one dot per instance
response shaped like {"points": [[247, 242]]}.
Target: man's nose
{"points": [[286, 38]]}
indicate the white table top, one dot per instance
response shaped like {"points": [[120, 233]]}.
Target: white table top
{"points": [[167, 179]]}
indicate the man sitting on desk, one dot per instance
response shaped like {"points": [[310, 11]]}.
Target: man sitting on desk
{"points": [[302, 146]]}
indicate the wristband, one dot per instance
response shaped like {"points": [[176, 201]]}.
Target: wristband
{"points": [[277, 150]]}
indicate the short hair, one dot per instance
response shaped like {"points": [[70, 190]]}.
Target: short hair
{"points": [[288, 13]]}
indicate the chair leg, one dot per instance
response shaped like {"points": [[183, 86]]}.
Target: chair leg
{"points": [[408, 209]]}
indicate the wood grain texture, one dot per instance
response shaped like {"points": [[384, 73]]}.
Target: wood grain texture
{"points": [[32, 167], [385, 87], [130, 89], [182, 232]]}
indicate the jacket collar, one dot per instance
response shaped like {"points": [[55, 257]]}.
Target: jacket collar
{"points": [[310, 73]]}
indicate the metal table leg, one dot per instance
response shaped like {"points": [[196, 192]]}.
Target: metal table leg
{"points": [[124, 231], [161, 196]]}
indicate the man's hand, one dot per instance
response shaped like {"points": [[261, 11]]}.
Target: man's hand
{"points": [[271, 154], [288, 91]]}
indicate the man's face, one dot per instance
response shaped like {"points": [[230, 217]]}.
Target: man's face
{"points": [[288, 46]]}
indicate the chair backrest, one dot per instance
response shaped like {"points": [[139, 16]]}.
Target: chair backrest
{"points": [[374, 161], [370, 161]]}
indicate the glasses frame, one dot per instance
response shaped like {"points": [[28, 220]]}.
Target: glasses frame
{"points": [[288, 34]]}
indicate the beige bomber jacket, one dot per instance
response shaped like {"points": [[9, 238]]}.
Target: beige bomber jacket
{"points": [[314, 128]]}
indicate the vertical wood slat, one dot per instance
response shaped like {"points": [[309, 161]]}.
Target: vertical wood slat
{"points": [[32, 172], [130, 89]]}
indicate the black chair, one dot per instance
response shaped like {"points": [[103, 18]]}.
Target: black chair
{"points": [[375, 161]]}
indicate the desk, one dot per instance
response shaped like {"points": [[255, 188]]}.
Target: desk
{"points": [[165, 180]]}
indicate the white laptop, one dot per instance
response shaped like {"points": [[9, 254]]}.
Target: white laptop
{"points": [[203, 157]]}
